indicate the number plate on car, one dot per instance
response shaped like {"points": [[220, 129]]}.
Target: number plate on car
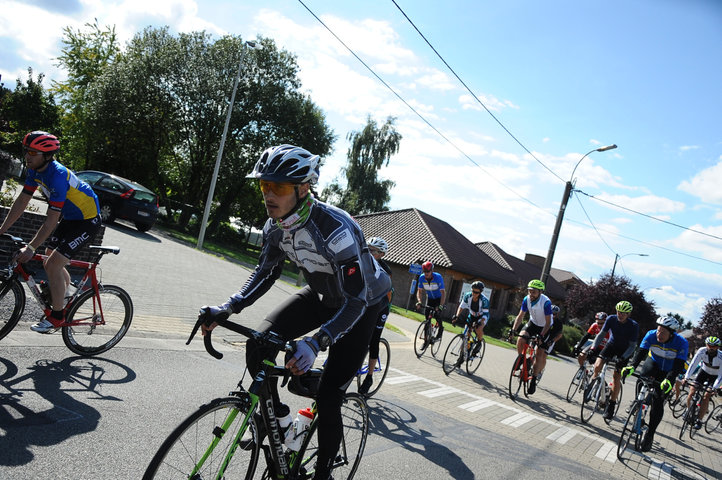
{"points": [[143, 214]]}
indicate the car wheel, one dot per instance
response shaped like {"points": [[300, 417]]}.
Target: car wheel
{"points": [[143, 227], [107, 214]]}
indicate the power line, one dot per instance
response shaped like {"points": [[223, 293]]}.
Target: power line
{"points": [[474, 95]]}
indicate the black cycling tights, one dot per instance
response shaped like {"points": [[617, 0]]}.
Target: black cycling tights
{"points": [[298, 315], [656, 412]]}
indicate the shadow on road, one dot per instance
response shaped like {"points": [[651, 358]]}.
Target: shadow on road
{"points": [[27, 420]]}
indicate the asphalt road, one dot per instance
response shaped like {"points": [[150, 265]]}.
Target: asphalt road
{"points": [[103, 418]]}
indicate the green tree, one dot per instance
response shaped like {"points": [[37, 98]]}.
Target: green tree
{"points": [[583, 301], [29, 107], [371, 149], [85, 55], [710, 323]]}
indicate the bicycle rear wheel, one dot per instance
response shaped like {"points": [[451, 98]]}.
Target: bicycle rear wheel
{"points": [[220, 420], [714, 420], [12, 304], [421, 339], [474, 358], [680, 404], [354, 413], [574, 384], [454, 352], [631, 432], [381, 369], [516, 377], [590, 400], [104, 320], [436, 342]]}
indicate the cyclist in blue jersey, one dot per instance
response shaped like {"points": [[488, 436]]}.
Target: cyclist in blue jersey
{"points": [[474, 309], [346, 291], [433, 284], [540, 323], [72, 219], [621, 344], [664, 352], [709, 359]]}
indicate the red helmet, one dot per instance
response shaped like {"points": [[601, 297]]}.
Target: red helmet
{"points": [[427, 266], [42, 142]]}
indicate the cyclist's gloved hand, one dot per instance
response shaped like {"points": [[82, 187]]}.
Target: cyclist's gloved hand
{"points": [[576, 350], [220, 312], [304, 355], [593, 354], [418, 305], [440, 308], [665, 386], [454, 319], [627, 371]]}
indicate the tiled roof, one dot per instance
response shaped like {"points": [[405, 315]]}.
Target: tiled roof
{"points": [[523, 270], [414, 236]]}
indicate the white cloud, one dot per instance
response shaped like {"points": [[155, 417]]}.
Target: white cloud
{"points": [[649, 204], [468, 102], [705, 185]]}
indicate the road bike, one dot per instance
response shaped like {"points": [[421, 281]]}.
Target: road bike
{"points": [[714, 420], [225, 437], [466, 347], [426, 334], [691, 413], [636, 425], [381, 369], [597, 395], [579, 382], [97, 316], [521, 370]]}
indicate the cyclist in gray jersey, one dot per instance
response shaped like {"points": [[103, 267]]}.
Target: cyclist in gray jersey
{"points": [[346, 286]]}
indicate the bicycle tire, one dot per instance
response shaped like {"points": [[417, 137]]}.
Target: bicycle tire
{"points": [[685, 422], [714, 420], [454, 350], [575, 383], [629, 432], [421, 340], [473, 361], [382, 368], [680, 405], [354, 413], [515, 377], [91, 337], [180, 453], [590, 399], [436, 341], [12, 305]]}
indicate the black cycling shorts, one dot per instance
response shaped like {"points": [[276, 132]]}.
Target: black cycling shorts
{"points": [[610, 351], [72, 235], [703, 376]]}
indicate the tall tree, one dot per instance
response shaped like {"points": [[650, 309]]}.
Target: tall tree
{"points": [[29, 107], [710, 323], [583, 301], [371, 149], [85, 55]]}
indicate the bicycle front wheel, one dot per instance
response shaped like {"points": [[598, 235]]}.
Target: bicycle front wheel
{"points": [[689, 416], [436, 332], [630, 432], [574, 385], [355, 416], [209, 444], [714, 420], [421, 339], [516, 377], [381, 369], [100, 320], [679, 405], [454, 352], [474, 358], [590, 402], [12, 304]]}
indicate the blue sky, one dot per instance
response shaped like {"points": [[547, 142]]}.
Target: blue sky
{"points": [[563, 76]]}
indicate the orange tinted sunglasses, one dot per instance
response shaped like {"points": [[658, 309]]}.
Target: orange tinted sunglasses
{"points": [[280, 189], [31, 151]]}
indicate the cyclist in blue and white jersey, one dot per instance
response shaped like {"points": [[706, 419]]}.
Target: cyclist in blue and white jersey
{"points": [[433, 284], [540, 323], [664, 352], [72, 218], [709, 358], [620, 344], [346, 287], [474, 309]]}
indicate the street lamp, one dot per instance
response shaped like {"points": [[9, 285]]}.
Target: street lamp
{"points": [[211, 190], [617, 257], [560, 216]]}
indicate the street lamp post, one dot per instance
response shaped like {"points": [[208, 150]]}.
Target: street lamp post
{"points": [[617, 257], [211, 190], [560, 216]]}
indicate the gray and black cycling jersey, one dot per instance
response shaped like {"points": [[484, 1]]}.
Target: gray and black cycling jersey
{"points": [[331, 250]]}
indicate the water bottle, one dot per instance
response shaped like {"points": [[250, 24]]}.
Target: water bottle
{"points": [[285, 423], [296, 434]]}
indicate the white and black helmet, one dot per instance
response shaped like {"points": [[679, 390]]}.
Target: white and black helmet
{"points": [[669, 322], [286, 163], [379, 244]]}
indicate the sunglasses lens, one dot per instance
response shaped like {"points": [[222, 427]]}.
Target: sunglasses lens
{"points": [[279, 189]]}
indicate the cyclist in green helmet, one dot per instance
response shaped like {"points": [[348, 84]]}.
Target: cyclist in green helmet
{"points": [[709, 358], [539, 307]]}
